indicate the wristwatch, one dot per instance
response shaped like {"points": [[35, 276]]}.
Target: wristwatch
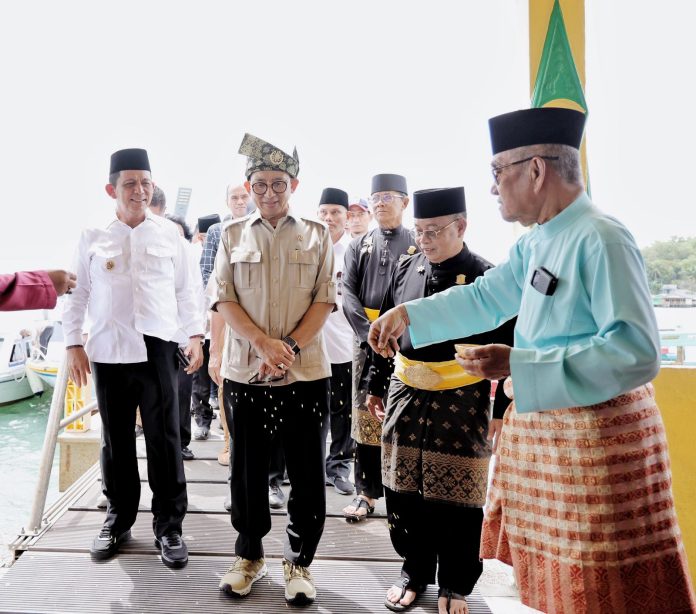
{"points": [[292, 343]]}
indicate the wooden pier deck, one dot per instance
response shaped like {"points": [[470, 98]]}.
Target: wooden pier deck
{"points": [[354, 566]]}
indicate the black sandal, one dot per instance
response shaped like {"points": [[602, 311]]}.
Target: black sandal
{"points": [[405, 584], [357, 503], [450, 594]]}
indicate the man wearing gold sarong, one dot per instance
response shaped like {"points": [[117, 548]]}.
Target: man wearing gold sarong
{"points": [[581, 502], [436, 430], [369, 262]]}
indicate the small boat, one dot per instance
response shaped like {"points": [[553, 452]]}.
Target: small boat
{"points": [[47, 354], [14, 385]]}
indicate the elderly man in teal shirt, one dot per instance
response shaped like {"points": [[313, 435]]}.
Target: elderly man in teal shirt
{"points": [[581, 501]]}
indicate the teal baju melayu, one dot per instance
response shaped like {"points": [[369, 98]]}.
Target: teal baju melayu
{"points": [[594, 338]]}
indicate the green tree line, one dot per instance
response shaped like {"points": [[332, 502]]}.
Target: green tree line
{"points": [[671, 262]]}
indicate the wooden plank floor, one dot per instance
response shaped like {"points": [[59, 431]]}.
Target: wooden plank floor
{"points": [[355, 563]]}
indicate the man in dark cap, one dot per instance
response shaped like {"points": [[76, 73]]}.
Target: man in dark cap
{"points": [[274, 272], [333, 211], [437, 428], [369, 262], [581, 504], [134, 282]]}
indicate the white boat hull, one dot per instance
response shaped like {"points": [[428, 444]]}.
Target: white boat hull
{"points": [[14, 386]]}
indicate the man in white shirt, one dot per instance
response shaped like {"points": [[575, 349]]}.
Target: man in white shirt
{"points": [[135, 285], [338, 335]]}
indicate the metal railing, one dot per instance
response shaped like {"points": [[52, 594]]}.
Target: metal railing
{"points": [[53, 427]]}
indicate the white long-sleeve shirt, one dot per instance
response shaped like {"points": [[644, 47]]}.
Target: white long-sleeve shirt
{"points": [[131, 282]]}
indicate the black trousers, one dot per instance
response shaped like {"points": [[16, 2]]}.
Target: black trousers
{"points": [[296, 413], [200, 395], [342, 444], [431, 535], [152, 386], [368, 470], [185, 387]]}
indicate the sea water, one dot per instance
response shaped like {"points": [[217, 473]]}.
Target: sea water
{"points": [[22, 429]]}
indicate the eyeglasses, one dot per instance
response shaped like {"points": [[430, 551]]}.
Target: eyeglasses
{"points": [[277, 186], [387, 198], [496, 170], [431, 235], [268, 379]]}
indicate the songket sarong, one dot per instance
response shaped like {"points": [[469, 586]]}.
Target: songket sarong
{"points": [[581, 506], [365, 428], [434, 443]]}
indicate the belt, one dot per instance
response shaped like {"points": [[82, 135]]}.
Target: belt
{"points": [[423, 375], [372, 314]]}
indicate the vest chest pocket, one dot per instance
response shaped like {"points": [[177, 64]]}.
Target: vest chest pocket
{"points": [[247, 268], [303, 268]]}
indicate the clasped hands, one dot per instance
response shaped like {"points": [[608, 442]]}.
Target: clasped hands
{"points": [[487, 361], [276, 357]]}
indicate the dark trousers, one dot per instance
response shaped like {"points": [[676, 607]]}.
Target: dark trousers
{"points": [[152, 386], [296, 414], [185, 387], [342, 444], [432, 535], [276, 469], [368, 471], [200, 395]]}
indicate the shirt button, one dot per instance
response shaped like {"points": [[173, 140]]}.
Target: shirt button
{"points": [[274, 304], [275, 258]]}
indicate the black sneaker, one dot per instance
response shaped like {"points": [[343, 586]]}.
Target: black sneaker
{"points": [[107, 543], [276, 497], [186, 454], [173, 550]]}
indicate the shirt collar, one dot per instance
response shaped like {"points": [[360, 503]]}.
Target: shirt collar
{"points": [[390, 232], [256, 216], [579, 207], [149, 217]]}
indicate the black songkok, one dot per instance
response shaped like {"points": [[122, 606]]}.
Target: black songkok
{"points": [[207, 221], [386, 182], [334, 196], [541, 126], [437, 202], [262, 156], [129, 160]]}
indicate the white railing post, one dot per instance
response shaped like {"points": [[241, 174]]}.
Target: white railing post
{"points": [[49, 449]]}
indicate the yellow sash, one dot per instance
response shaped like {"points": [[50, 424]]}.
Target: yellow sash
{"points": [[432, 375], [372, 314]]}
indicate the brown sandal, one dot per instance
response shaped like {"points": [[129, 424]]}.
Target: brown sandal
{"points": [[357, 503], [450, 594]]}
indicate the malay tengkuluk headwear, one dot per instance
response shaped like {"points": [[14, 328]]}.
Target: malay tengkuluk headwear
{"points": [[437, 202], [207, 221], [262, 156], [129, 160], [387, 182], [334, 196], [542, 126]]}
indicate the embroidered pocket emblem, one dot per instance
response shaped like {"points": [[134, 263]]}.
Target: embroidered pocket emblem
{"points": [[110, 264]]}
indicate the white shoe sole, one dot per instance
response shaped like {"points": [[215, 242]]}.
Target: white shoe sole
{"points": [[228, 589]]}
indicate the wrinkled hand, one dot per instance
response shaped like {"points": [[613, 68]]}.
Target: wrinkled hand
{"points": [[194, 351], [214, 366], [495, 427], [78, 366], [375, 406], [63, 281], [274, 352], [385, 331], [487, 361]]}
